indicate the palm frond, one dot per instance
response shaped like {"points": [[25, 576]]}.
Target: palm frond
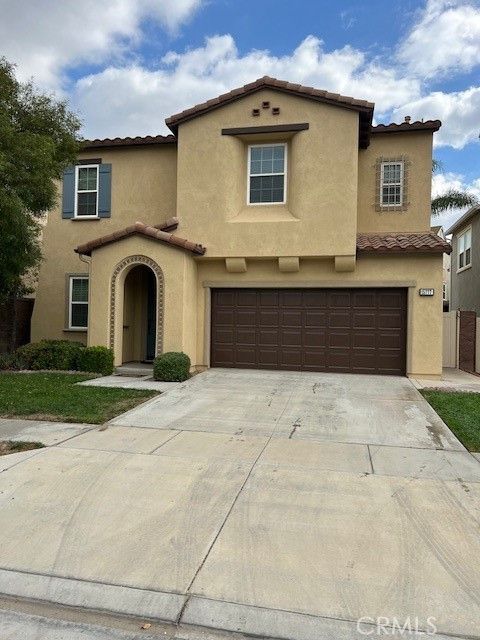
{"points": [[453, 200], [437, 165]]}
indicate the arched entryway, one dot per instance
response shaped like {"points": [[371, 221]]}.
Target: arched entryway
{"points": [[139, 315], [136, 318]]}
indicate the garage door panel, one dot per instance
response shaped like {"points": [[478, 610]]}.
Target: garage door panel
{"points": [[365, 361], [315, 299], [291, 358], [315, 338], [224, 336], [314, 359], [245, 318], [223, 355], [338, 360], [269, 318], [339, 319], [268, 337], [316, 318], [390, 320], [364, 319], [245, 336], [364, 340], [339, 299], [268, 298], [392, 340], [291, 318], [268, 357], [291, 298], [339, 339], [343, 330], [245, 355], [390, 300], [291, 338], [225, 297], [246, 298], [364, 300]]}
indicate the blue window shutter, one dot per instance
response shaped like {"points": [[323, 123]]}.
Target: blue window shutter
{"points": [[68, 198], [105, 190]]}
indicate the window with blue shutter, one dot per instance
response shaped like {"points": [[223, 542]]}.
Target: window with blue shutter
{"points": [[87, 191], [104, 190], [68, 198]]}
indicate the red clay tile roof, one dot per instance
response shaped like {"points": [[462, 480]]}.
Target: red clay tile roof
{"points": [[169, 225], [126, 142], [142, 229], [380, 243], [364, 107], [428, 125]]}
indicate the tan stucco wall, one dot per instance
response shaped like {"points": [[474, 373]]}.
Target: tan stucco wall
{"points": [[417, 148], [143, 188], [424, 335], [212, 181]]}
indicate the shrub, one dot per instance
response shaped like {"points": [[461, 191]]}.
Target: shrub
{"points": [[48, 354], [96, 360], [6, 361], [172, 367]]}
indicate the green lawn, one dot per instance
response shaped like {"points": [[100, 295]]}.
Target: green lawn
{"points": [[55, 396], [461, 412]]}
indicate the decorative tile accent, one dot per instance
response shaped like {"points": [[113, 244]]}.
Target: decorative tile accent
{"points": [[138, 260]]}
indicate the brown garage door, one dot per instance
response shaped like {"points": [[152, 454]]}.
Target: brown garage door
{"points": [[342, 330]]}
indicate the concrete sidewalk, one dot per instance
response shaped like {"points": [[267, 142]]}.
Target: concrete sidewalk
{"points": [[452, 380], [238, 506]]}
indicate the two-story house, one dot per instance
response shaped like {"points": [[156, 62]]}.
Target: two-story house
{"points": [[276, 228], [465, 269]]}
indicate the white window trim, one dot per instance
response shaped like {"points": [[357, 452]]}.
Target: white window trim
{"points": [[284, 174], [402, 173], [71, 302], [77, 169], [469, 265]]}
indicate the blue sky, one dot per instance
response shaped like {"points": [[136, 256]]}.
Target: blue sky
{"points": [[127, 64]]}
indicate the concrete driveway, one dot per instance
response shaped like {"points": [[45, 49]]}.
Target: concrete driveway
{"points": [[272, 503]]}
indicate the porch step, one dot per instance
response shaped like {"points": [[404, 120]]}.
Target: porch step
{"points": [[135, 370]]}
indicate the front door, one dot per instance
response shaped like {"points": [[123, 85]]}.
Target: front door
{"points": [[151, 315]]}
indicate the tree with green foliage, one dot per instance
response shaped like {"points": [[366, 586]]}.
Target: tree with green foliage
{"points": [[38, 139], [451, 199]]}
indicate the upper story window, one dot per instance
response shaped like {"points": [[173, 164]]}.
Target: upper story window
{"points": [[464, 245], [267, 172], [86, 191], [391, 184], [78, 302]]}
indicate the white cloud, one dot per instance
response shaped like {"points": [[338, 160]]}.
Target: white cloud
{"points": [[459, 112], [136, 100], [446, 38], [45, 38], [50, 39], [443, 182]]}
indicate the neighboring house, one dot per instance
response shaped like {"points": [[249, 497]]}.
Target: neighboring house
{"points": [[465, 272], [446, 269], [275, 228]]}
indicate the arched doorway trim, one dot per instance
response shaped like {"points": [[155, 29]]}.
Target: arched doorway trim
{"points": [[118, 279]]}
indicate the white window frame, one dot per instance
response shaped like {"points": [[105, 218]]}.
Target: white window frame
{"points": [[390, 184], [464, 252], [284, 174], [72, 302], [77, 169]]}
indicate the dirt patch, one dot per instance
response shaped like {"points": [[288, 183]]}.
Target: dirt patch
{"points": [[11, 446]]}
